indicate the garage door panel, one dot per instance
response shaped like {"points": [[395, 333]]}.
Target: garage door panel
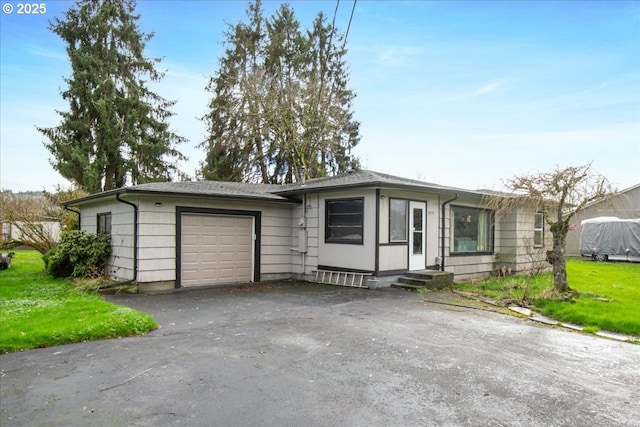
{"points": [[190, 275], [209, 240], [227, 257], [189, 239], [246, 240], [190, 257], [190, 220], [227, 240], [216, 249]]}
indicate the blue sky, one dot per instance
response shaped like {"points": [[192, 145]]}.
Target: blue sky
{"points": [[462, 93]]}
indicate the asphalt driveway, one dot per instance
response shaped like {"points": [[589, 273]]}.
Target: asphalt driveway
{"points": [[304, 355]]}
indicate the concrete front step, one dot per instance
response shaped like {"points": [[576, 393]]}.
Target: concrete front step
{"points": [[414, 281], [424, 279], [407, 286], [436, 276]]}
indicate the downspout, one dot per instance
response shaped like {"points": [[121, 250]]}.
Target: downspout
{"points": [[67, 208], [376, 263], [135, 243], [444, 224], [304, 234]]}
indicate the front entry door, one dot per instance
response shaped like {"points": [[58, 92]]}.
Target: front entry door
{"points": [[417, 219]]}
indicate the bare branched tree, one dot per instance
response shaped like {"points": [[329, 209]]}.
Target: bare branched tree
{"points": [[558, 195], [38, 219], [27, 216]]}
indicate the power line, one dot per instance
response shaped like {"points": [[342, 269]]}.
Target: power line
{"points": [[333, 22], [344, 42]]}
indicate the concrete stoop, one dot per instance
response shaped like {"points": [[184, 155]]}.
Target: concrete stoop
{"points": [[425, 279]]}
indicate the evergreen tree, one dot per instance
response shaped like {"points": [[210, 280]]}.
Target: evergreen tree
{"points": [[280, 109], [115, 132]]}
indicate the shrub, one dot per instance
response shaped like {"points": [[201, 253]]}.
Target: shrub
{"points": [[56, 263], [79, 254]]}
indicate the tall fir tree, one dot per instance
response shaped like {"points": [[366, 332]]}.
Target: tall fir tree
{"points": [[280, 110], [115, 131]]}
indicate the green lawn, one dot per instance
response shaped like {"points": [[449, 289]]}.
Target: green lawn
{"points": [[38, 311], [608, 294]]}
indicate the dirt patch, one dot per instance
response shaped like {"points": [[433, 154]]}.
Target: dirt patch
{"points": [[458, 299]]}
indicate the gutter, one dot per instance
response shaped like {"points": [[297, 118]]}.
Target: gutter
{"points": [[133, 190], [67, 208], [444, 223]]}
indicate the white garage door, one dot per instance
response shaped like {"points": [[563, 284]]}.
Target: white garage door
{"points": [[216, 249]]}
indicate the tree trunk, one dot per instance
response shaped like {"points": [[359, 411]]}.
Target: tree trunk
{"points": [[560, 282]]}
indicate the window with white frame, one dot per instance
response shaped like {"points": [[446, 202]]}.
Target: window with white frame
{"points": [[538, 230], [344, 221], [397, 220], [104, 223], [471, 230]]}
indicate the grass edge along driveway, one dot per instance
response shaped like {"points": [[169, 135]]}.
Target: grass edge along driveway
{"points": [[607, 295], [39, 311]]}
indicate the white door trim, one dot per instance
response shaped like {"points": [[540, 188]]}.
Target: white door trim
{"points": [[417, 230]]}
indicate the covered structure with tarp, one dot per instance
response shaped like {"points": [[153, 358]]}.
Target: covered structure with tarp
{"points": [[610, 238]]}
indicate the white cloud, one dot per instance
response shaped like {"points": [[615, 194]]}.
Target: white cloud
{"points": [[474, 160], [40, 51], [188, 88], [395, 56], [488, 87]]}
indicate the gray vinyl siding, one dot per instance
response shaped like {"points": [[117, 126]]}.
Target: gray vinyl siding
{"points": [[157, 234], [275, 257], [156, 239], [276, 241], [120, 263], [313, 234], [303, 264], [514, 247], [394, 257], [506, 239]]}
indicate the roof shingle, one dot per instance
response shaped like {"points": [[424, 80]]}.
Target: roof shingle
{"points": [[280, 193]]}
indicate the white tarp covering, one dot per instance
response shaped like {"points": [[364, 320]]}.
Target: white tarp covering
{"points": [[610, 236]]}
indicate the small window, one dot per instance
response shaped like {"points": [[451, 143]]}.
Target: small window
{"points": [[471, 230], [104, 223], [538, 230], [344, 221], [397, 220]]}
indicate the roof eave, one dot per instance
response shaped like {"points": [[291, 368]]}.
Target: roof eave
{"points": [[130, 191], [380, 184]]}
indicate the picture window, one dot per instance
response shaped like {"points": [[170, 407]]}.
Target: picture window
{"points": [[471, 230], [344, 221]]}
